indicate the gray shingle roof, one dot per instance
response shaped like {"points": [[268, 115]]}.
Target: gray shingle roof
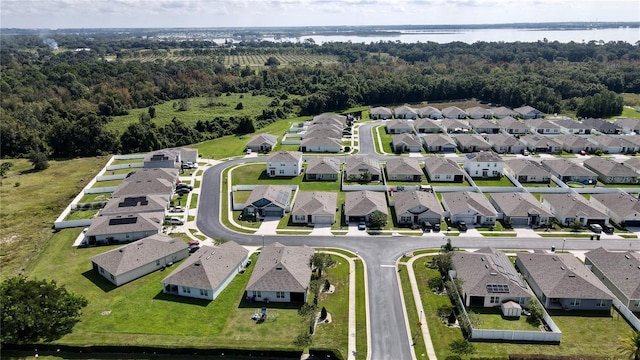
{"points": [[633, 163], [571, 140], [571, 205], [458, 202], [609, 167], [276, 194], [135, 204], [126, 223], [472, 140], [455, 123], [323, 165], [442, 166], [541, 124], [150, 186], [208, 267], [404, 166], [601, 124], [163, 155], [406, 139], [425, 124], [526, 167], [406, 200], [621, 268], [516, 204], [503, 112], [609, 140], [629, 123], [404, 110], [453, 112], [333, 133], [380, 111], [484, 156], [477, 111], [539, 141], [571, 124], [438, 140], [481, 124], [136, 254], [524, 110], [399, 124], [263, 139], [566, 167], [428, 110], [511, 123], [620, 203], [285, 156], [282, 268], [315, 202], [362, 203], [152, 174], [355, 164], [321, 141], [328, 118], [503, 140], [563, 276]]}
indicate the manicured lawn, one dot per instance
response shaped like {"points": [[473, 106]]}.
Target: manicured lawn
{"points": [[449, 183], [126, 161], [193, 204], [493, 234], [503, 181], [256, 174], [89, 198], [630, 113], [224, 207], [491, 318], [107, 183], [81, 214], [530, 184], [419, 347], [241, 197]]}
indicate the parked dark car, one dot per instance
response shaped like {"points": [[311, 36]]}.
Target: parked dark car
{"points": [[462, 226], [362, 226], [596, 228], [193, 249], [182, 191], [608, 229], [426, 226], [436, 227], [184, 186]]}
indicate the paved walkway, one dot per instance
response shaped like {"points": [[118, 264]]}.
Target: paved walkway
{"points": [[321, 230], [268, 226]]}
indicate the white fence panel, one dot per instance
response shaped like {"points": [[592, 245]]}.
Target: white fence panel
{"points": [[129, 156], [72, 223], [628, 314], [111, 177], [135, 165], [100, 190]]}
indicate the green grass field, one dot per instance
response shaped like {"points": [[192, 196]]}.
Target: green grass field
{"points": [[253, 61], [255, 174]]}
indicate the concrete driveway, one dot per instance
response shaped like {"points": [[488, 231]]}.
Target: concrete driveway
{"points": [[269, 226]]}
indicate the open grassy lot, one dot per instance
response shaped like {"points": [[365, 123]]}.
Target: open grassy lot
{"points": [[81, 214], [579, 329], [256, 174], [30, 201]]}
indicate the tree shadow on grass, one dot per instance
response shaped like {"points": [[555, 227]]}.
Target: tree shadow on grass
{"points": [[181, 299], [98, 280], [245, 303], [265, 176]]}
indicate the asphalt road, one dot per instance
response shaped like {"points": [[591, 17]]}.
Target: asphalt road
{"points": [[389, 337]]}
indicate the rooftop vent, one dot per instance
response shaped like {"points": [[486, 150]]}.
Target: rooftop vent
{"points": [[626, 257]]}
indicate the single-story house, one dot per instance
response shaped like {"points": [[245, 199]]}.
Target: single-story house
{"points": [[281, 274], [472, 143], [619, 271], [135, 204], [512, 126], [284, 163], [483, 126], [633, 163], [574, 144], [544, 127], [357, 166], [187, 154], [399, 126], [526, 171], [634, 139], [322, 168], [505, 144], [360, 205], [455, 126], [321, 145], [138, 259], [611, 144], [528, 112], [603, 126], [621, 207], [262, 143], [429, 112], [405, 112], [330, 118], [469, 207], [315, 207], [417, 207], [124, 228], [165, 158], [521, 208], [406, 143], [569, 208], [147, 181], [561, 281], [404, 169], [443, 169], [478, 112], [628, 125], [267, 201], [567, 170], [323, 131], [454, 112], [207, 272], [571, 126], [483, 164], [503, 112], [540, 143], [439, 143], [426, 126], [610, 171], [489, 279], [380, 113]]}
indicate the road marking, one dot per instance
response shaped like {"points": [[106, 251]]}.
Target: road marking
{"points": [[391, 266]]}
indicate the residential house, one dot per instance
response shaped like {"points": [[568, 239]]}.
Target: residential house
{"points": [[439, 143], [483, 126], [528, 112], [619, 271], [521, 208], [489, 279], [454, 112], [512, 126], [405, 112], [610, 171], [455, 126], [561, 281], [404, 169], [633, 163], [503, 112], [429, 112], [123, 228], [262, 143], [138, 259], [361, 205], [135, 204], [267, 201], [165, 158], [281, 274], [322, 168], [527, 171], [567, 170], [442, 169], [571, 126], [628, 125], [505, 144], [330, 118], [544, 127], [472, 143], [380, 113], [315, 207], [478, 112], [603, 126], [483, 164], [417, 207], [159, 181], [469, 207], [569, 208], [321, 145], [399, 126], [323, 131], [426, 126], [284, 164], [207, 272], [540, 143], [575, 144], [621, 207], [406, 143], [187, 154], [358, 166], [611, 144]]}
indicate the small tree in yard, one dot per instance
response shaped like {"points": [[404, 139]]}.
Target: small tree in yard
{"points": [[576, 225], [327, 285], [535, 309], [462, 347], [323, 314], [39, 160], [321, 262], [303, 340], [630, 346], [239, 106], [443, 263], [5, 167], [378, 220]]}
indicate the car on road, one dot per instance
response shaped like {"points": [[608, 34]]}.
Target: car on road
{"points": [[362, 226], [596, 228], [462, 226]]}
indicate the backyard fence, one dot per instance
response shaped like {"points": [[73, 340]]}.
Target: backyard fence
{"points": [[72, 223], [627, 314]]}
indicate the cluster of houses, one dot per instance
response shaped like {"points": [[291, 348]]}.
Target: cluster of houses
{"points": [[558, 280], [414, 206], [322, 134]]}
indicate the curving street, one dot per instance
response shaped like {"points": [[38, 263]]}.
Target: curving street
{"points": [[389, 337]]}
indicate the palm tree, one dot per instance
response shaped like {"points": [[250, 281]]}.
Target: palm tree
{"points": [[630, 346]]}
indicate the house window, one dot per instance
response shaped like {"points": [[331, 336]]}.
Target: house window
{"points": [[204, 292], [158, 262], [601, 303], [638, 304], [448, 177], [257, 294], [437, 177], [494, 300], [575, 302], [101, 270], [280, 294], [521, 300], [281, 171], [186, 290], [281, 164], [405, 219], [476, 172], [112, 278]]}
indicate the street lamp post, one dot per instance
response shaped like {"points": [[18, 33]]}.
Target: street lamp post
{"points": [[563, 241], [263, 241]]}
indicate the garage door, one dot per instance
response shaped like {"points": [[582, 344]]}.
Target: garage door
{"points": [[277, 213], [632, 223], [467, 219], [595, 221], [323, 219], [431, 220], [519, 221]]}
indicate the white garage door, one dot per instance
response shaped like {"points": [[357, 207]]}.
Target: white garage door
{"points": [[323, 219]]}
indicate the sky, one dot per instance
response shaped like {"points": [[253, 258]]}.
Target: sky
{"points": [[55, 14]]}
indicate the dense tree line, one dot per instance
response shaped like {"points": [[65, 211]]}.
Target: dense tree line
{"points": [[60, 103]]}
